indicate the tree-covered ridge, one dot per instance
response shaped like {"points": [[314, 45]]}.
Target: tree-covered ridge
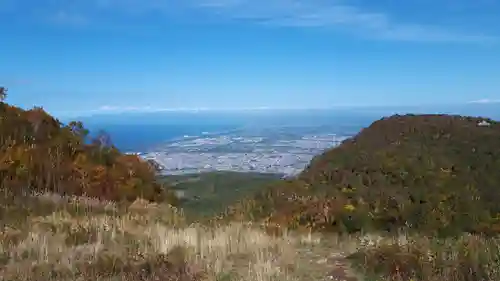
{"points": [[427, 172], [39, 153]]}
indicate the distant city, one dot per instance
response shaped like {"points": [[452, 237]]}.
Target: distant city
{"points": [[284, 151]]}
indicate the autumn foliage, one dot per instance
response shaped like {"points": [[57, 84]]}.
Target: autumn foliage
{"points": [[431, 173], [39, 153]]}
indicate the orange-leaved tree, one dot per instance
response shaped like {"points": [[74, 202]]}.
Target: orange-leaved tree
{"points": [[39, 153]]}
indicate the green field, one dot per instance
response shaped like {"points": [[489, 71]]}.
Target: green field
{"points": [[210, 193]]}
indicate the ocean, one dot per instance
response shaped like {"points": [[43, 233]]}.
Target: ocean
{"points": [[143, 132], [141, 138]]}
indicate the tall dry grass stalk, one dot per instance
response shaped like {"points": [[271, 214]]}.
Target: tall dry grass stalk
{"points": [[94, 245]]}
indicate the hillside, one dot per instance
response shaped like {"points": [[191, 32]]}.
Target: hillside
{"points": [[428, 172], [40, 154], [205, 194]]}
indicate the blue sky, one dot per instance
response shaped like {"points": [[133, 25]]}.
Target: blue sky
{"points": [[91, 56]]}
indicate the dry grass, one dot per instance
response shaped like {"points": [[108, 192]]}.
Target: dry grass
{"points": [[77, 238], [405, 257], [85, 239]]}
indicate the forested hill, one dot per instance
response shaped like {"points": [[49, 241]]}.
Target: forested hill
{"points": [[40, 154], [430, 172]]}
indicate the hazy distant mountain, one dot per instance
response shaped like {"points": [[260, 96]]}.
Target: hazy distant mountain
{"points": [[284, 117]]}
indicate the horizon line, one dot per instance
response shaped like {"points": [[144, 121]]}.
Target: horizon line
{"points": [[113, 111]]}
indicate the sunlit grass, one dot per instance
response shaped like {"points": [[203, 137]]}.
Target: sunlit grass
{"points": [[78, 238], [93, 245]]}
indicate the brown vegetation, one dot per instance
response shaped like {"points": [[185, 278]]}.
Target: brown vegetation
{"points": [[38, 153], [59, 238], [463, 258]]}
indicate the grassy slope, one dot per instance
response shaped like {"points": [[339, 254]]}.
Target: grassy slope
{"points": [[49, 237]]}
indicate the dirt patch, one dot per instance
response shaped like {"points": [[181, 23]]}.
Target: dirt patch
{"points": [[325, 259], [341, 269]]}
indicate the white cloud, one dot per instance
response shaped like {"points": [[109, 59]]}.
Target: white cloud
{"points": [[333, 14], [485, 101], [125, 108], [350, 18], [118, 109], [329, 14], [115, 109], [107, 108]]}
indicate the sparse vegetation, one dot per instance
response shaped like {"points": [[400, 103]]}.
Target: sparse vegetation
{"points": [[409, 198], [77, 238]]}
